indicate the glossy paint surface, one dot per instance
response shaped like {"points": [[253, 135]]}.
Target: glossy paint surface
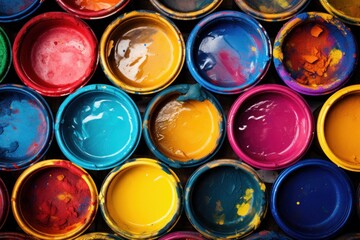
{"points": [[98, 126], [142, 52], [145, 208], [62, 57], [54, 199], [184, 125], [183, 235], [307, 206], [225, 199], [227, 52], [26, 127], [315, 54], [270, 127], [5, 54]]}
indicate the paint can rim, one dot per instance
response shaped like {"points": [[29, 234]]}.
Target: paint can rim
{"points": [[340, 14], [23, 13], [7, 46]]}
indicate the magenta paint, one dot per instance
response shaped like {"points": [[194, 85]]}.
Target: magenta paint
{"points": [[55, 53], [4, 203], [183, 235], [270, 127]]}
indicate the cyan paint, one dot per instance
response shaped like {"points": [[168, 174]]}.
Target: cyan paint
{"points": [[98, 126], [215, 192], [14, 10], [26, 127], [228, 52]]}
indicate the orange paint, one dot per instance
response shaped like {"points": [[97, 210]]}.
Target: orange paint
{"points": [[96, 5]]}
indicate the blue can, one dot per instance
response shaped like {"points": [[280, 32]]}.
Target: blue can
{"points": [[15, 10]]}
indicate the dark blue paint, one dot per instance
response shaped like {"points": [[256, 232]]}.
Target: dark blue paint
{"points": [[312, 199], [267, 235], [14, 10], [98, 126]]}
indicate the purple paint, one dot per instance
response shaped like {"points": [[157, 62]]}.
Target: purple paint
{"points": [[183, 235], [270, 127]]}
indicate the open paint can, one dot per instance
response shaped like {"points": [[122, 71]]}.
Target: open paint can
{"points": [[15, 10], [5, 54], [346, 10], [183, 235], [98, 236]]}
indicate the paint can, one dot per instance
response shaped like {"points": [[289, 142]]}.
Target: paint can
{"points": [[186, 10], [98, 236], [306, 206], [5, 54], [346, 10], [15, 10], [4, 203], [93, 9], [228, 52], [267, 235], [272, 11], [315, 53], [142, 52], [183, 235], [143, 209], [358, 200], [337, 128], [225, 199], [55, 53], [26, 127], [54, 199], [349, 236], [270, 127], [184, 125], [98, 127], [14, 236]]}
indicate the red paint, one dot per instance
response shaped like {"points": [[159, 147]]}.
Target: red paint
{"points": [[55, 53], [55, 200]]}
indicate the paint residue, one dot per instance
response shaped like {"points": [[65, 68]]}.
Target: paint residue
{"points": [[96, 5], [312, 55], [145, 206], [275, 6], [347, 7], [186, 130], [55, 201], [61, 56], [144, 55], [8, 8], [341, 129], [245, 206], [187, 5]]}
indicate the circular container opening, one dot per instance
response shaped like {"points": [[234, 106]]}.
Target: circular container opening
{"points": [[270, 127], [98, 127], [186, 10], [142, 52], [15, 10], [315, 53], [337, 128], [54, 199], [307, 206], [26, 129], [228, 52], [225, 199], [93, 9], [184, 125], [146, 208], [346, 10], [278, 10], [5, 54], [55, 53]]}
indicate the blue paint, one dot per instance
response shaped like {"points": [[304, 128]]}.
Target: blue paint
{"points": [[228, 52], [98, 127], [26, 127], [312, 199], [267, 235], [14, 10], [186, 92], [213, 194]]}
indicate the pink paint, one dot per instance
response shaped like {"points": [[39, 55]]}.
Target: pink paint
{"points": [[55, 53], [270, 127]]}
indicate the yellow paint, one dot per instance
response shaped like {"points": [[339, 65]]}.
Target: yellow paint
{"points": [[274, 6], [255, 221], [342, 131], [262, 186], [219, 219], [144, 55], [298, 203], [346, 7], [96, 5], [253, 49], [335, 56], [243, 208], [186, 130], [142, 199]]}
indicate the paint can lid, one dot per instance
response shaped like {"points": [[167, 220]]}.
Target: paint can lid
{"points": [[191, 10], [5, 54], [271, 11], [225, 198], [27, 127], [15, 10], [4, 203], [98, 127], [228, 52], [312, 199]]}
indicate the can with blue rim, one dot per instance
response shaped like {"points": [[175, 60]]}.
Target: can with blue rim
{"points": [[15, 10]]}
